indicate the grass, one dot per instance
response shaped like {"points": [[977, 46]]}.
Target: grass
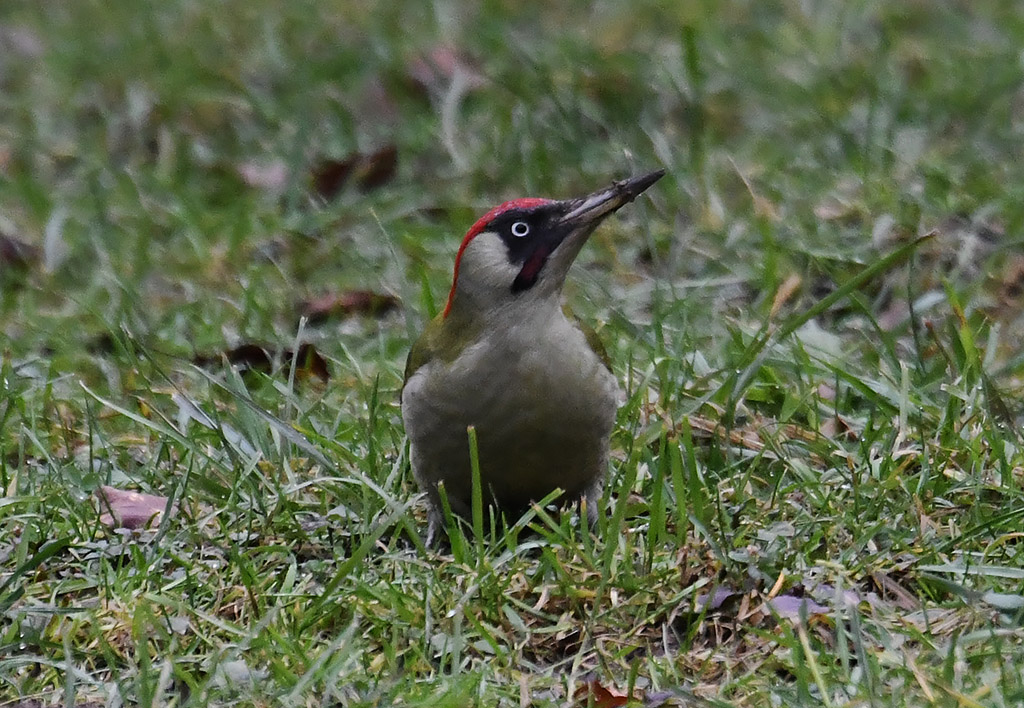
{"points": [[816, 497]]}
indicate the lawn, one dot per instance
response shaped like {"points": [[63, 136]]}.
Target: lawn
{"points": [[223, 223]]}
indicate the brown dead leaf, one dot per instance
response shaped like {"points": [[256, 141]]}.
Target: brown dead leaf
{"points": [[592, 693], [15, 253], [253, 357], [124, 509], [835, 427], [246, 357], [368, 171], [352, 302], [329, 176], [377, 169], [309, 362]]}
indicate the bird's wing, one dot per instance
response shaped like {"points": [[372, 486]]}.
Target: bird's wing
{"points": [[442, 339], [592, 338]]}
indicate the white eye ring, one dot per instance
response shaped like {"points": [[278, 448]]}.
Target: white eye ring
{"points": [[520, 229]]}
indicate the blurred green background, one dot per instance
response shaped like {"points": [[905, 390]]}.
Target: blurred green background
{"points": [[181, 183]]}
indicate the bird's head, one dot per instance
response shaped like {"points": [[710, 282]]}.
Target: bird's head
{"points": [[522, 250]]}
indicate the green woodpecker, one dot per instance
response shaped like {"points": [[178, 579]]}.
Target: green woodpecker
{"points": [[504, 357]]}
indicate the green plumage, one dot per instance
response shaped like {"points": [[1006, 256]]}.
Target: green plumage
{"points": [[508, 360], [436, 343]]}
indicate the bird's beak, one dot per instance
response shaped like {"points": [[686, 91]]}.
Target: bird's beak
{"points": [[582, 215], [555, 254], [590, 210]]}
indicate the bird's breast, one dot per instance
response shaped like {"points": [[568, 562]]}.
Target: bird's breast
{"points": [[521, 393], [543, 405]]}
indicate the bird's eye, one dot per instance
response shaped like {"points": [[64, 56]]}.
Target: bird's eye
{"points": [[520, 229]]}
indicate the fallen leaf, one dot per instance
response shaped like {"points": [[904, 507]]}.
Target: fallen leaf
{"points": [[309, 362], [329, 175], [17, 254], [789, 606], [130, 510], [838, 427], [353, 302], [247, 357], [716, 599], [253, 357], [592, 693], [378, 168], [368, 171]]}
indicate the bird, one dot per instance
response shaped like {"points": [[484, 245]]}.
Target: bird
{"points": [[506, 358]]}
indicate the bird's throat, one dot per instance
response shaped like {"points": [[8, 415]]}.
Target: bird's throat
{"points": [[531, 269]]}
